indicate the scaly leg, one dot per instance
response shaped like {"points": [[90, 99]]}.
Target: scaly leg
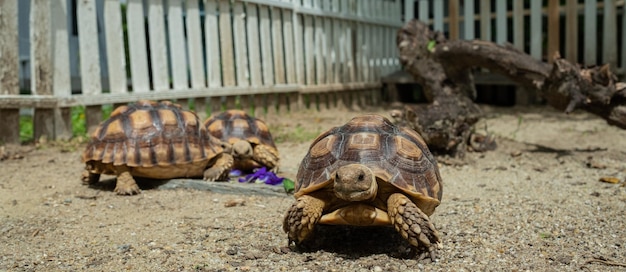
{"points": [[413, 224], [89, 178], [302, 217], [266, 156], [126, 184], [219, 170]]}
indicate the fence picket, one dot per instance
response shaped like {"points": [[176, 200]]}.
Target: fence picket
{"points": [[114, 40], [178, 52], [137, 46], [241, 47], [609, 29], [226, 42], [277, 38], [211, 37], [61, 84], [158, 50], [194, 44]]}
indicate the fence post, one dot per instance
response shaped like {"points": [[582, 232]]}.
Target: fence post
{"points": [[9, 67]]}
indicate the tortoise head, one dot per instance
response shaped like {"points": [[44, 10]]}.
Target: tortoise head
{"points": [[355, 182], [242, 150]]}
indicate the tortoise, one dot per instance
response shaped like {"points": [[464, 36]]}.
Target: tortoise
{"points": [[156, 140], [368, 172], [250, 138]]}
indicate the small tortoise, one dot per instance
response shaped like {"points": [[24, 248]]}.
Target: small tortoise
{"points": [[252, 143], [153, 140], [368, 172]]}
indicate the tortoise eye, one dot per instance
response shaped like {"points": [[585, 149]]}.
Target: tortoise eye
{"points": [[361, 177], [336, 176]]}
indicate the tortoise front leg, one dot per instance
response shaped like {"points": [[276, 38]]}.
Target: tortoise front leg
{"points": [[126, 184], [219, 170], [413, 224], [266, 156], [302, 217]]}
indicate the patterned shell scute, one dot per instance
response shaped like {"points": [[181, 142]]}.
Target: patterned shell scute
{"points": [[397, 155], [232, 125], [148, 133]]}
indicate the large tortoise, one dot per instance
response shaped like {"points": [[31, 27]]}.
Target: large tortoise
{"points": [[368, 172], [156, 140], [251, 140]]}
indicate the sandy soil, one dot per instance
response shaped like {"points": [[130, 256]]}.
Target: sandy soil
{"points": [[534, 204]]}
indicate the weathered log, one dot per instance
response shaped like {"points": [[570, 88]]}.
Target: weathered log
{"points": [[444, 69]]}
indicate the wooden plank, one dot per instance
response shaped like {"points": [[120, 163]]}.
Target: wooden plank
{"points": [[293, 102], [41, 65], [226, 41], [259, 105], [609, 26], [116, 57], [328, 50], [61, 85], [9, 67], [231, 102], [349, 49], [485, 20], [290, 56], [423, 10], [194, 44], [266, 46], [216, 105], [518, 24], [41, 48], [200, 107], [283, 105], [536, 33], [501, 22], [309, 49], [89, 60], [623, 64], [409, 12], [137, 46], [254, 53], [453, 16], [298, 46], [158, 49], [277, 40], [571, 31], [214, 60], [468, 20], [241, 47], [320, 54], [178, 52], [553, 29], [591, 32], [438, 15], [337, 47]]}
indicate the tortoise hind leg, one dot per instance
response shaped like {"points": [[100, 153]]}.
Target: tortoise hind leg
{"points": [[267, 156], [413, 225], [89, 178], [220, 168], [302, 217], [126, 184]]}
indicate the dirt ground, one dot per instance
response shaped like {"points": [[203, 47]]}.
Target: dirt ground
{"points": [[534, 204]]}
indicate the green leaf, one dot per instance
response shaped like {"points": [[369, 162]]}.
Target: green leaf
{"points": [[431, 45], [289, 185]]}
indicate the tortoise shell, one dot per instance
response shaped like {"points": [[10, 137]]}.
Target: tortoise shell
{"points": [[396, 155], [154, 139], [233, 125]]}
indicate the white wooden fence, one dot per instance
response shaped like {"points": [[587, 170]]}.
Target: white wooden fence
{"points": [[265, 54]]}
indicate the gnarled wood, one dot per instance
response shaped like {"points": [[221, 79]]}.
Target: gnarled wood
{"points": [[443, 68]]}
